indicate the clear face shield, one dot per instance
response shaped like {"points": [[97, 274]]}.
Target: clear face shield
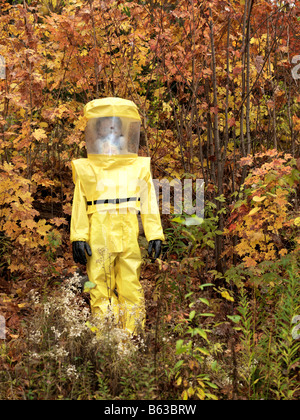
{"points": [[112, 136]]}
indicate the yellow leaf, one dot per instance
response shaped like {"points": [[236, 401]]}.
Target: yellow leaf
{"points": [[282, 252], [297, 221], [200, 393], [185, 395], [227, 296], [41, 180], [191, 391], [22, 239], [42, 228], [58, 221], [179, 380], [91, 327], [20, 292], [191, 364], [29, 224], [16, 267], [259, 199], [253, 211], [80, 124], [249, 262], [39, 134]]}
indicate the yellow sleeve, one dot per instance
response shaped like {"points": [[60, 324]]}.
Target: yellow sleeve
{"points": [[79, 218], [149, 210]]}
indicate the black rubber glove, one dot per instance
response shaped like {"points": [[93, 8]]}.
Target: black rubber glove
{"points": [[155, 246], [79, 250]]}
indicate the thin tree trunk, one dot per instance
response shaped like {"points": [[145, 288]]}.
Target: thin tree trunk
{"points": [[242, 140], [273, 88], [248, 79], [289, 105], [217, 149]]}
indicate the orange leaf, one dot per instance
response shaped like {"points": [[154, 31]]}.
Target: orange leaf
{"points": [[39, 134]]}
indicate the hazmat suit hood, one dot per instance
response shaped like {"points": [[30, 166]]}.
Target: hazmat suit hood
{"points": [[113, 127]]}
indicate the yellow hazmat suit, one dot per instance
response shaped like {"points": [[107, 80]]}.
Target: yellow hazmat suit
{"points": [[111, 186]]}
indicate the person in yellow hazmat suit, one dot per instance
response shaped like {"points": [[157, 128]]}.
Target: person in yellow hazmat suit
{"points": [[112, 185]]}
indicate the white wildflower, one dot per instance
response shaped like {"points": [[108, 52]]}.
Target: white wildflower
{"points": [[34, 297], [71, 372], [60, 352], [35, 337], [56, 333], [47, 308]]}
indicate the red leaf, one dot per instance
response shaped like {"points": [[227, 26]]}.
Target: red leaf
{"points": [[237, 70], [231, 122]]}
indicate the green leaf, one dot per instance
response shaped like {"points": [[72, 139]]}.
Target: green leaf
{"points": [[178, 364], [234, 318], [189, 221], [88, 285], [203, 300], [178, 220], [201, 332], [213, 397], [212, 385], [221, 198], [192, 315], [179, 348], [203, 351], [210, 243], [206, 285], [193, 220], [214, 365]]}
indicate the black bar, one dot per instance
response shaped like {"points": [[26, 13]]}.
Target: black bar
{"points": [[113, 200]]}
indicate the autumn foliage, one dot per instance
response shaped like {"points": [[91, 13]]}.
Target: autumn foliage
{"points": [[264, 220], [199, 72]]}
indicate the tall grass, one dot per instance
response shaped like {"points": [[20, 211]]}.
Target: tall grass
{"points": [[194, 346], [270, 354]]}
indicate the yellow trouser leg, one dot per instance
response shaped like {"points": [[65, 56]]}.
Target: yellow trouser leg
{"points": [[115, 264], [103, 298], [130, 292]]}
